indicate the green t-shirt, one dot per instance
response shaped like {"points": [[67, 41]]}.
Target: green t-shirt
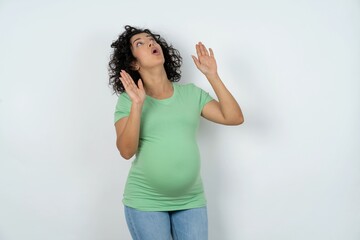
{"points": [[165, 175]]}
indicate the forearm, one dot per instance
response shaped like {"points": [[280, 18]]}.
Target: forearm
{"points": [[230, 108], [128, 140]]}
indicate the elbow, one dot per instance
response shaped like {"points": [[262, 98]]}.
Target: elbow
{"points": [[125, 153], [126, 156], [236, 121], [240, 120]]}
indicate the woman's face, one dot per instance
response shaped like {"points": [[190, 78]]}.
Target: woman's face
{"points": [[146, 50]]}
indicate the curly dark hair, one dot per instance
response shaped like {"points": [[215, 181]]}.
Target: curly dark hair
{"points": [[122, 58]]}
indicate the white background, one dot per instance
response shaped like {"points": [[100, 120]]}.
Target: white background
{"points": [[290, 172]]}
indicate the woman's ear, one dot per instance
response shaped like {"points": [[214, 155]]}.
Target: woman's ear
{"points": [[135, 66]]}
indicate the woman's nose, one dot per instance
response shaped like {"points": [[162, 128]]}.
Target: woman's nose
{"points": [[151, 43]]}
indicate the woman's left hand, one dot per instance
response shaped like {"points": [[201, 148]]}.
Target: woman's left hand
{"points": [[205, 60]]}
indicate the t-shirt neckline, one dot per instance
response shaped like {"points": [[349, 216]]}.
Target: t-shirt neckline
{"points": [[165, 99]]}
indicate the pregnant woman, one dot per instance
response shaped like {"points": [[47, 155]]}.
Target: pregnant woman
{"points": [[156, 120]]}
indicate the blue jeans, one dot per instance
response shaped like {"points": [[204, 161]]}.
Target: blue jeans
{"points": [[189, 224]]}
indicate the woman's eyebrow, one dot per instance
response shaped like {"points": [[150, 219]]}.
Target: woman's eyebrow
{"points": [[149, 36], [136, 40]]}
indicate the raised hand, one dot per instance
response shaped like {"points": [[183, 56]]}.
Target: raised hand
{"points": [[136, 94], [205, 61]]}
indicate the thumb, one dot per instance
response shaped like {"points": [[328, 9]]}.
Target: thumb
{"points": [[140, 84], [196, 61]]}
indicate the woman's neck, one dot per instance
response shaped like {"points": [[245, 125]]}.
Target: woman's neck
{"points": [[156, 83]]}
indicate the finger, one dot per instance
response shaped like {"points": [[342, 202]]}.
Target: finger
{"points": [[198, 52], [125, 84], [122, 73], [124, 79], [211, 52], [196, 61], [203, 49], [129, 80], [132, 83], [206, 50], [125, 75]]}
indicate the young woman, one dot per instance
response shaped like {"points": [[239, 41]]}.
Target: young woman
{"points": [[156, 120]]}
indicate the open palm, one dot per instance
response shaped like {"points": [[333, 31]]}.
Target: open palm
{"points": [[136, 93], [205, 60]]}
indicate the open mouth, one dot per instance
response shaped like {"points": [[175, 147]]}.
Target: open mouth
{"points": [[155, 51]]}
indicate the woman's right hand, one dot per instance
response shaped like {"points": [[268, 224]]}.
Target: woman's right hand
{"points": [[136, 94]]}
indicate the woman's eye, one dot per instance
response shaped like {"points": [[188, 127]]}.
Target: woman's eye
{"points": [[138, 44]]}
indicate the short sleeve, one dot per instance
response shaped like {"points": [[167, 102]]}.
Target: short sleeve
{"points": [[204, 98], [123, 106]]}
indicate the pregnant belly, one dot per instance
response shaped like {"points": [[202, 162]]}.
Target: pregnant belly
{"points": [[171, 172]]}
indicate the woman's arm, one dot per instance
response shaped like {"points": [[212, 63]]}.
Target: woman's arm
{"points": [[127, 131], [128, 128], [225, 111]]}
